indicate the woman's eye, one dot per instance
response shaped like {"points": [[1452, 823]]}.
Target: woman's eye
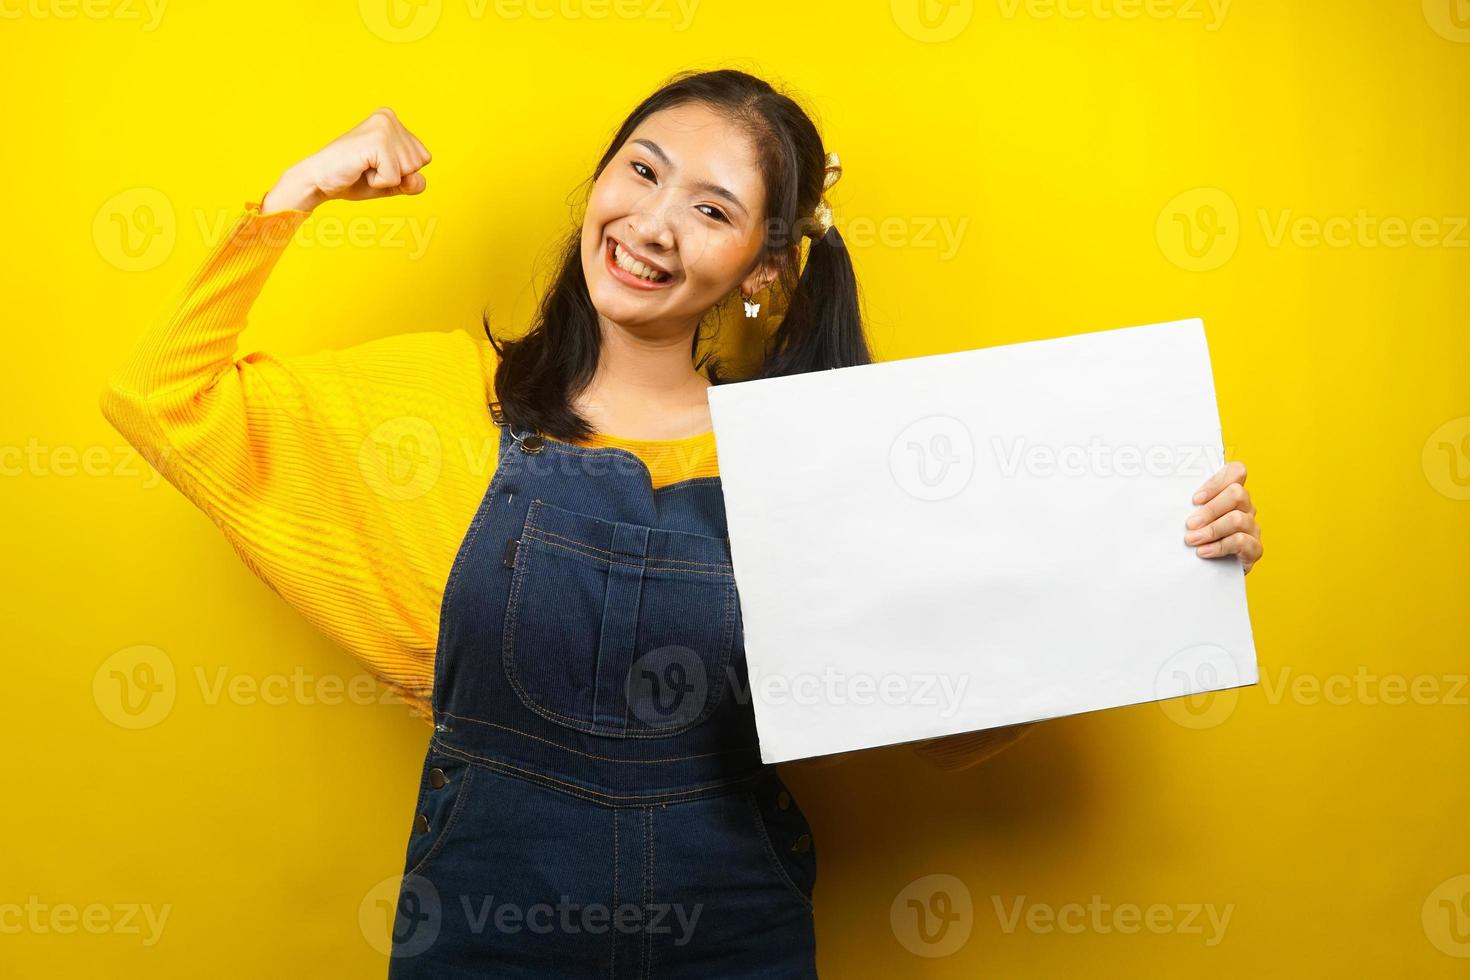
{"points": [[717, 214]]}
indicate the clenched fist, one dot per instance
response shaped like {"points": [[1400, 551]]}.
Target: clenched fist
{"points": [[376, 158]]}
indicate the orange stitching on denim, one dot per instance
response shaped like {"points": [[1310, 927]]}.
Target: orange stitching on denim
{"points": [[535, 535], [647, 885], [585, 793], [512, 670], [511, 623], [602, 758], [461, 555], [538, 529], [613, 965], [760, 824], [450, 821]]}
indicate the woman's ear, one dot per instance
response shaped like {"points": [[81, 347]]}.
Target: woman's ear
{"points": [[760, 277], [765, 273]]}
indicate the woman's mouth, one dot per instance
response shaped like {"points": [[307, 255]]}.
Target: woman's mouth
{"points": [[623, 267]]}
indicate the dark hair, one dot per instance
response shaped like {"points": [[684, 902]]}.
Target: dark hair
{"points": [[539, 373]]}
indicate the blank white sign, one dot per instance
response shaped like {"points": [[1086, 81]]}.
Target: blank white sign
{"points": [[962, 541]]}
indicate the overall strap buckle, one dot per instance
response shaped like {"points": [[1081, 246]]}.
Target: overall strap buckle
{"points": [[530, 442]]}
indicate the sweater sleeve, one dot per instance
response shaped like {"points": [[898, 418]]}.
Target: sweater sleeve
{"points": [[331, 474]]}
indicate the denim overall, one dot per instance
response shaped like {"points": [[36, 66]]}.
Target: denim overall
{"points": [[592, 801]]}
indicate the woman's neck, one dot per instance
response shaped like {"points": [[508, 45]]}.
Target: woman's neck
{"points": [[645, 388]]}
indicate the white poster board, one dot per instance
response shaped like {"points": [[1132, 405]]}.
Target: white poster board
{"points": [[962, 541]]}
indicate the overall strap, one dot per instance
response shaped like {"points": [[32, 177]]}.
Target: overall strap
{"points": [[529, 441]]}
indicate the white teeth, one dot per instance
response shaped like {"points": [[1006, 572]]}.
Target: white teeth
{"points": [[630, 264]]}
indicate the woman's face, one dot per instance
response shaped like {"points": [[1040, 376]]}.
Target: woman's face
{"points": [[681, 206]]}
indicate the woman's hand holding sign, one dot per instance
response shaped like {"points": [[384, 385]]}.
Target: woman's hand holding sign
{"points": [[1225, 523]]}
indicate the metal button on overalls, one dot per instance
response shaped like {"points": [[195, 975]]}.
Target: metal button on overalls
{"points": [[594, 804]]}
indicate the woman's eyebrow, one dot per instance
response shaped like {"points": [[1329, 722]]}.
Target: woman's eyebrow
{"points": [[663, 158]]}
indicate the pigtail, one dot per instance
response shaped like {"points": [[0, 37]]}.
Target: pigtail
{"points": [[822, 327]]}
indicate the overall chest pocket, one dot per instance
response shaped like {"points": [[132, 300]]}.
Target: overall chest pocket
{"points": [[618, 629]]}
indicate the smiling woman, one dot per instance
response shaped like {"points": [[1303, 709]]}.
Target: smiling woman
{"points": [[706, 192], [568, 619], [621, 634]]}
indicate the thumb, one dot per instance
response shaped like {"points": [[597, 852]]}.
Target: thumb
{"points": [[414, 183]]}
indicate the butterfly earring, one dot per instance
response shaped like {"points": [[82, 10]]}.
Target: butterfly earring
{"points": [[752, 310]]}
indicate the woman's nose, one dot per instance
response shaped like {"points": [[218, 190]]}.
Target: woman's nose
{"points": [[653, 227]]}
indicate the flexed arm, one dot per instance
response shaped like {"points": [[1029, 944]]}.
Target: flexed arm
{"points": [[281, 452], [189, 351]]}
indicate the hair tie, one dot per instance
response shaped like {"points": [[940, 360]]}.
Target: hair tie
{"points": [[822, 213]]}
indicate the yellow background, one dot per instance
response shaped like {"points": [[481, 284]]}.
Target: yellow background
{"points": [[1067, 149]]}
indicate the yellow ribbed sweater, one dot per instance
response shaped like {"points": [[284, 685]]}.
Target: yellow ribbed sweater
{"points": [[345, 479]]}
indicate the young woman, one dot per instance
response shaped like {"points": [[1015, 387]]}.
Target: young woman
{"points": [[525, 539]]}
